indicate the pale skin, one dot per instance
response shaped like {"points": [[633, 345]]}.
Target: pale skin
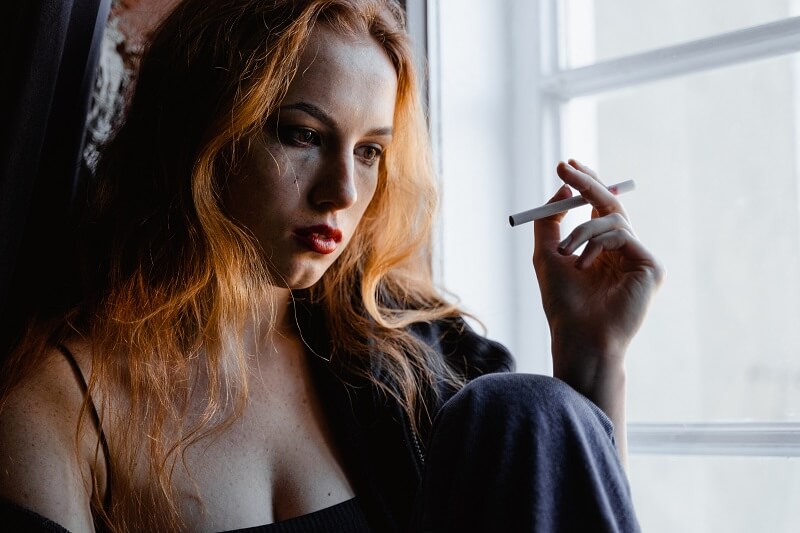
{"points": [[316, 164]]}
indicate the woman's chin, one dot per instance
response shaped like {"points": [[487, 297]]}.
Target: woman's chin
{"points": [[302, 279]]}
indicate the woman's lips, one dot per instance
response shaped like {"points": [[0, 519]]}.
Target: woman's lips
{"points": [[321, 239]]}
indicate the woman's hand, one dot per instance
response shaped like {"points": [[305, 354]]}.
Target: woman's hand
{"points": [[595, 301], [600, 297]]}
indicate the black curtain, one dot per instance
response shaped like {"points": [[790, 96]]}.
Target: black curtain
{"points": [[50, 54]]}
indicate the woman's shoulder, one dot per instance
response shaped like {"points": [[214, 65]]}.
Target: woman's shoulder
{"points": [[41, 469], [49, 392], [54, 381], [463, 348]]}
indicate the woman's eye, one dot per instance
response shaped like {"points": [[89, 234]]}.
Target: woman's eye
{"points": [[369, 154], [299, 136]]}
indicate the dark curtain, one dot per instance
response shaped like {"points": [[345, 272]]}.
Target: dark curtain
{"points": [[49, 57]]}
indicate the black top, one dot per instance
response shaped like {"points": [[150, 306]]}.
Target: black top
{"points": [[16, 518], [383, 455], [345, 517]]}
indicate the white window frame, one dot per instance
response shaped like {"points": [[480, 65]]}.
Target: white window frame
{"points": [[556, 86], [531, 333], [540, 88]]}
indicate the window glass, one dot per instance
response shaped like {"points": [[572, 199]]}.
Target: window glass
{"points": [[715, 158], [596, 31], [715, 494]]}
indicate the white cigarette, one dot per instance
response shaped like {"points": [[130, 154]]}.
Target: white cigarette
{"points": [[565, 205]]}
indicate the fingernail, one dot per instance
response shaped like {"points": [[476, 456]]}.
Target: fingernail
{"points": [[562, 246]]}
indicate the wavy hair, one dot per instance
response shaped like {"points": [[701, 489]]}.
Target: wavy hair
{"points": [[171, 280]]}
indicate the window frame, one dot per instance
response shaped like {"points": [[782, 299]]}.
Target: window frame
{"points": [[539, 89], [556, 85]]}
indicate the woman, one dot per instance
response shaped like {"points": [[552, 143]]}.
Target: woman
{"points": [[259, 340]]}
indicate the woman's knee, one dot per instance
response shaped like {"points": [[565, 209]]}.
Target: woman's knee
{"points": [[536, 399], [524, 448]]}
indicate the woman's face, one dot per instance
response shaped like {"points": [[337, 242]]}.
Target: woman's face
{"points": [[305, 184]]}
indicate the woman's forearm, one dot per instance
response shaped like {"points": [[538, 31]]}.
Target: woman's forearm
{"points": [[602, 379]]}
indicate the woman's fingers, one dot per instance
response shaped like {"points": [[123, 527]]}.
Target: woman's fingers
{"points": [[611, 232], [547, 231], [608, 230], [592, 229], [612, 240], [583, 168], [584, 180], [606, 234]]}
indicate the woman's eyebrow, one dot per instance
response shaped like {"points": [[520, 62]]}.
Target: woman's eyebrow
{"points": [[381, 132], [312, 110], [326, 119]]}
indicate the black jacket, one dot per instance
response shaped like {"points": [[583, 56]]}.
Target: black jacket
{"points": [[382, 453]]}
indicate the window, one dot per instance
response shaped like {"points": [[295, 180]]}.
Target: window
{"points": [[699, 102]]}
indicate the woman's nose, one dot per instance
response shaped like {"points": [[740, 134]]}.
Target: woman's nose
{"points": [[335, 186]]}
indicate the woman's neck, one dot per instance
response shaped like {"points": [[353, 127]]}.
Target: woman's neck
{"points": [[274, 320]]}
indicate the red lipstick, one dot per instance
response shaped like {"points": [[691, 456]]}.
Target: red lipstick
{"points": [[321, 239]]}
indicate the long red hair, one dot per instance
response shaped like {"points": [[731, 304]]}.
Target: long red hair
{"points": [[171, 279]]}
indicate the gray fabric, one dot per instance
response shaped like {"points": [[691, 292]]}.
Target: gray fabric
{"points": [[523, 453]]}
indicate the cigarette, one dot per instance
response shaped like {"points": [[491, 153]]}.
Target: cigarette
{"points": [[565, 205]]}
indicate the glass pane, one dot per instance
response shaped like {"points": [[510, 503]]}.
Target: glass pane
{"points": [[715, 494], [600, 30], [715, 157]]}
